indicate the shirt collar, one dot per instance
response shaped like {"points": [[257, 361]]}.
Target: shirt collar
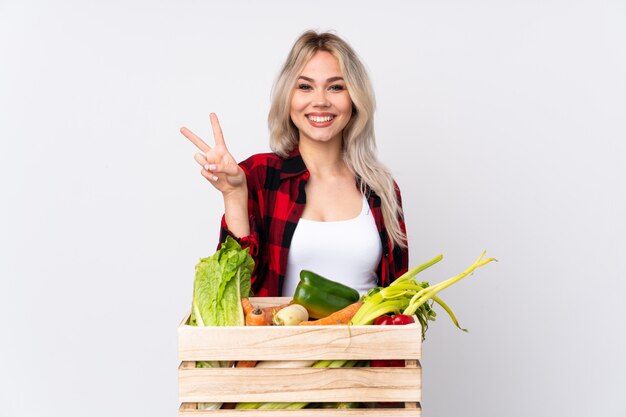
{"points": [[293, 165]]}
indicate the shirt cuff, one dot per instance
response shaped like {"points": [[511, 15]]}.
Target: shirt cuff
{"points": [[250, 241]]}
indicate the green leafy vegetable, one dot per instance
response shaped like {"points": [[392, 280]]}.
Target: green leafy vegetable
{"points": [[407, 296], [221, 281]]}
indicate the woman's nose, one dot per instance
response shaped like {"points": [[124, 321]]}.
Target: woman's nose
{"points": [[320, 99]]}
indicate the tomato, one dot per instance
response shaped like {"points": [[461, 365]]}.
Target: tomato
{"points": [[402, 319], [393, 320], [383, 320], [387, 363]]}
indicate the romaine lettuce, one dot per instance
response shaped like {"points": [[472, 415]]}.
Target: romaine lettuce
{"points": [[221, 281]]}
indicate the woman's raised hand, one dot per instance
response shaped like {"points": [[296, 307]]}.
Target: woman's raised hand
{"points": [[221, 169], [218, 165]]}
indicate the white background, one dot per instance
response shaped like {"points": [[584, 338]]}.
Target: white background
{"points": [[503, 122]]}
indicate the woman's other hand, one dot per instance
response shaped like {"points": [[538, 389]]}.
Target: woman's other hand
{"points": [[218, 165]]}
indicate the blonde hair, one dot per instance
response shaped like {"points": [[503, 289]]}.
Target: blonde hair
{"points": [[359, 142]]}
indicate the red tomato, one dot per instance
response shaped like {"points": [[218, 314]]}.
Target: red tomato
{"points": [[386, 363], [383, 320], [402, 319]]}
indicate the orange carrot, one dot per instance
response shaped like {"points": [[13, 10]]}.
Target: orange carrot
{"points": [[245, 364], [275, 309], [247, 306], [270, 311], [257, 317], [342, 316]]}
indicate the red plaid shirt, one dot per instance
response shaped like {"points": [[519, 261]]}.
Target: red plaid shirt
{"points": [[275, 204]]}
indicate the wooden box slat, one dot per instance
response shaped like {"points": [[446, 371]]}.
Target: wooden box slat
{"points": [[300, 384], [297, 342]]}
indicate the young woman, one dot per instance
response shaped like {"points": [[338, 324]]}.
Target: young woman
{"points": [[321, 201]]}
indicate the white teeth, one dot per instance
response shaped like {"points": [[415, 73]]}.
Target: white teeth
{"points": [[320, 119]]}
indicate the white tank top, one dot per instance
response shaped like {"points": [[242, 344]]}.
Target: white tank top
{"points": [[346, 251]]}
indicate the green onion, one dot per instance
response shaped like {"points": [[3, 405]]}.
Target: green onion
{"points": [[407, 296]]}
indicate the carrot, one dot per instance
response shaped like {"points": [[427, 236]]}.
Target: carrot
{"points": [[342, 316], [271, 311], [245, 364], [275, 309], [268, 312], [247, 306], [257, 317]]}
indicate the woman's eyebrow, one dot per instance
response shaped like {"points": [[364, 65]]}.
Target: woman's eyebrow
{"points": [[330, 80]]}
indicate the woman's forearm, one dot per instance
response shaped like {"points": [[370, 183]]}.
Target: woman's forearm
{"points": [[236, 212]]}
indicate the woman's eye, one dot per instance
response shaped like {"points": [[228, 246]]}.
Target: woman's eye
{"points": [[336, 87], [304, 87]]}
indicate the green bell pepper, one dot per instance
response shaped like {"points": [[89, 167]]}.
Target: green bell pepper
{"points": [[322, 296]]}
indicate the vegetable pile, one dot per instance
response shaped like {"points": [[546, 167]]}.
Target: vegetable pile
{"points": [[222, 288]]}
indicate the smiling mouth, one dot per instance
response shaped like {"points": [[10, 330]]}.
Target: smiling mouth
{"points": [[320, 119]]}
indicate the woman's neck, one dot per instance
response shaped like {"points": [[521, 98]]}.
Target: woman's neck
{"points": [[323, 158]]}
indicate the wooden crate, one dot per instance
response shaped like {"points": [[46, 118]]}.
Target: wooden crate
{"points": [[232, 385]]}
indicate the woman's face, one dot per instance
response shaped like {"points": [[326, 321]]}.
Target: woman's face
{"points": [[321, 106]]}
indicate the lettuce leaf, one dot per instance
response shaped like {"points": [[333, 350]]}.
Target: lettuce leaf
{"points": [[221, 281]]}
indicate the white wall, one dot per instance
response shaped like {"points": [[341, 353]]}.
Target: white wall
{"points": [[503, 123]]}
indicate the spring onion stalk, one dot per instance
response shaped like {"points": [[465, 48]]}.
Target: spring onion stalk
{"points": [[404, 286], [408, 296], [448, 310], [429, 292], [411, 273], [285, 364], [248, 406], [281, 406]]}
